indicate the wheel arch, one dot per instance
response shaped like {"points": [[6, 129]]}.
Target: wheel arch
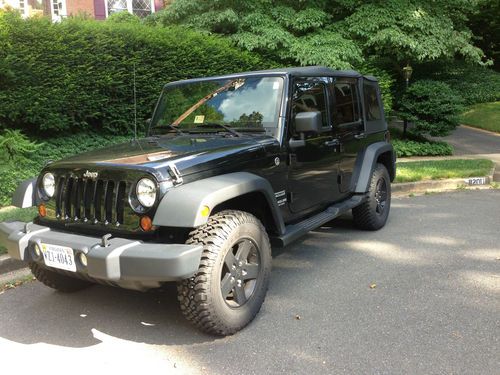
{"points": [[378, 152], [239, 191]]}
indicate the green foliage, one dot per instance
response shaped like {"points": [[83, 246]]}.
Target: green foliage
{"points": [[338, 33], [485, 24], [52, 149], [291, 32], [123, 17], [15, 145], [414, 144], [406, 148], [432, 106], [77, 74], [413, 30], [475, 84]]}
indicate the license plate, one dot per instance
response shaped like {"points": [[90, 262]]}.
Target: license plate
{"points": [[61, 257]]}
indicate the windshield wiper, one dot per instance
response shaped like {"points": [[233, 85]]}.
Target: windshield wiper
{"points": [[170, 126], [217, 125]]}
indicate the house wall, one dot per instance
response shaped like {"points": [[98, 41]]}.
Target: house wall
{"points": [[74, 7]]}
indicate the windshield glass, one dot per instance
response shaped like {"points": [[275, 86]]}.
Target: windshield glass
{"points": [[243, 104]]}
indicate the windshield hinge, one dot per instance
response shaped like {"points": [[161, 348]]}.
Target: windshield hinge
{"points": [[174, 174]]}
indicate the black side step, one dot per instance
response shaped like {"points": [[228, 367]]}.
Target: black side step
{"points": [[295, 231]]}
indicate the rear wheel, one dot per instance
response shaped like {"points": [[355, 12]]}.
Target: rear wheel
{"points": [[56, 280], [232, 280], [372, 214]]}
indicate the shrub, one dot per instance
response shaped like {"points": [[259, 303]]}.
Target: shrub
{"points": [[432, 106], [405, 148], [14, 145], [77, 74]]}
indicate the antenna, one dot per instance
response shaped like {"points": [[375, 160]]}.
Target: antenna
{"points": [[135, 109]]}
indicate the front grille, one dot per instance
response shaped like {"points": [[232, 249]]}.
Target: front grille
{"points": [[88, 200]]}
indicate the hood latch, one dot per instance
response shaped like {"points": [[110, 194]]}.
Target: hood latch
{"points": [[174, 174]]}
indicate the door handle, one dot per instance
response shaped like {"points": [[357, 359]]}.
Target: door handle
{"points": [[332, 143], [360, 136]]}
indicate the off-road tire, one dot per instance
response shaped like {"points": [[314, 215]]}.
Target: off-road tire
{"points": [[368, 215], [201, 296], [56, 280]]}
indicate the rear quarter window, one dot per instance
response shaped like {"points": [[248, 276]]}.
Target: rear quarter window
{"points": [[372, 102]]}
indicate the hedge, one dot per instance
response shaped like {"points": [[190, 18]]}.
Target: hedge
{"points": [[77, 74]]}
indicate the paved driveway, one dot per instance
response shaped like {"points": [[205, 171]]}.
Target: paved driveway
{"points": [[467, 140], [435, 308]]}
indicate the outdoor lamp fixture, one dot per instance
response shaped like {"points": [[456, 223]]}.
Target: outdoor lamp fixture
{"points": [[407, 71]]}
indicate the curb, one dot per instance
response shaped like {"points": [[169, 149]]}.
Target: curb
{"points": [[8, 264], [439, 185]]}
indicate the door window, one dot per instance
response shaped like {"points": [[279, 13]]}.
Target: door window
{"points": [[310, 96], [346, 102]]}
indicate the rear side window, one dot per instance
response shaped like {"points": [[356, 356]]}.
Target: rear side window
{"points": [[372, 103], [346, 108]]}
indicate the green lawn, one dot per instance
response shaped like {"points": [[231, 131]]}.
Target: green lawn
{"points": [[13, 213], [441, 169], [485, 116]]}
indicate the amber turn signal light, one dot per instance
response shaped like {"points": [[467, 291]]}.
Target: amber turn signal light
{"points": [[42, 211], [146, 223]]}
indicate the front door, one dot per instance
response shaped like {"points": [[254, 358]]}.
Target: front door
{"points": [[312, 175]]}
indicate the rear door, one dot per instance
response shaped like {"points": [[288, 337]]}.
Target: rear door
{"points": [[347, 127], [312, 175]]}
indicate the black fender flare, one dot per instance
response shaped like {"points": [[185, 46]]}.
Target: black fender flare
{"points": [[365, 163], [25, 194], [182, 205]]}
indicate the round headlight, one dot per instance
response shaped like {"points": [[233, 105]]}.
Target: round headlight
{"points": [[146, 192], [49, 184]]}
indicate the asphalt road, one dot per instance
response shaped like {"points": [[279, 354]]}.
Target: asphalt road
{"points": [[435, 308]]}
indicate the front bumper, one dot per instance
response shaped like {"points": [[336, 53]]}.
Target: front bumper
{"points": [[120, 261]]}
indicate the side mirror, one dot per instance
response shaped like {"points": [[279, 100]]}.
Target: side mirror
{"points": [[308, 122]]}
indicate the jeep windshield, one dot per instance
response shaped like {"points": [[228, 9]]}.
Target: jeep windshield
{"points": [[235, 105]]}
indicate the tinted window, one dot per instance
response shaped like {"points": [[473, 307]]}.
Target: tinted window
{"points": [[372, 105], [310, 96], [346, 102]]}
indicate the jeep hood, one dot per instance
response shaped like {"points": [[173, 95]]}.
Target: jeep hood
{"points": [[191, 154]]}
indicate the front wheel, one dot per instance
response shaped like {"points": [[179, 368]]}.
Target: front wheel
{"points": [[231, 283], [372, 214]]}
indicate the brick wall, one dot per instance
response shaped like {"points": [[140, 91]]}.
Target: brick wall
{"points": [[75, 7]]}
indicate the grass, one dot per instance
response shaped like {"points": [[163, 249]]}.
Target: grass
{"points": [[442, 169], [14, 213], [485, 116]]}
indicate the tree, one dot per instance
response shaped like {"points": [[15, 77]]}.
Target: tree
{"points": [[485, 25], [337, 33]]}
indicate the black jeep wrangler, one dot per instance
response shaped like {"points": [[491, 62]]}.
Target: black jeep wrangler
{"points": [[230, 166]]}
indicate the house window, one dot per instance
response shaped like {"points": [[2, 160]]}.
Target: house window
{"points": [[140, 8]]}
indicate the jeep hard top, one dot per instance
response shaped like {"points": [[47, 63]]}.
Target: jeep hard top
{"points": [[230, 165]]}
